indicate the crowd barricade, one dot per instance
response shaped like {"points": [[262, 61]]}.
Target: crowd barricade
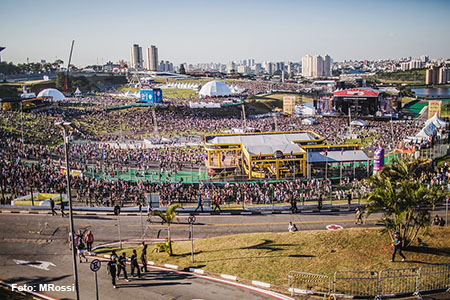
{"points": [[302, 282], [386, 283]]}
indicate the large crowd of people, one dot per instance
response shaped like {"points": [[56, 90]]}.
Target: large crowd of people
{"points": [[32, 153]]}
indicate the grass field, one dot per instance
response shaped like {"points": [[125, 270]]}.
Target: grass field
{"points": [[269, 257], [7, 294]]}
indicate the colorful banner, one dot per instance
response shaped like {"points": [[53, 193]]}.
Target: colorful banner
{"points": [[433, 108], [378, 159], [288, 104]]}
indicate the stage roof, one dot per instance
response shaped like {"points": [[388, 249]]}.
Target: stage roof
{"points": [[265, 143], [357, 92], [337, 156]]}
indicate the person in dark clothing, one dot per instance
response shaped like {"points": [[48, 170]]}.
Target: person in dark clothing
{"points": [[121, 266], [199, 203], [144, 258], [111, 270], [319, 202], [134, 264], [397, 247], [52, 206], [349, 199], [294, 205], [217, 204], [63, 214]]}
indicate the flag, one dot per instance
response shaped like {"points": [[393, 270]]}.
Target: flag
{"points": [[259, 156]]}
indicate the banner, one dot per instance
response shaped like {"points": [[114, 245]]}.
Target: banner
{"points": [[378, 160], [433, 108], [288, 104]]}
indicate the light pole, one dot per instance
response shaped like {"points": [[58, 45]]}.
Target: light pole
{"points": [[64, 126]]}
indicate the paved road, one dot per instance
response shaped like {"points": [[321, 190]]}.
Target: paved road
{"points": [[19, 240]]}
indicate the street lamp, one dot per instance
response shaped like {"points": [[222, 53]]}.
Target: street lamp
{"points": [[64, 126]]}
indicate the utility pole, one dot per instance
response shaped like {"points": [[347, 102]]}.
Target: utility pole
{"points": [[154, 120], [244, 118], [63, 126]]}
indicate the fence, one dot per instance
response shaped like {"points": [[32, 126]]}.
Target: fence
{"points": [[314, 283], [389, 282]]}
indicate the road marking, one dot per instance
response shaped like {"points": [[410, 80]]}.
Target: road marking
{"points": [[43, 265]]}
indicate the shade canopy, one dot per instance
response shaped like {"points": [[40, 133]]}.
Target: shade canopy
{"points": [[52, 93], [215, 89]]}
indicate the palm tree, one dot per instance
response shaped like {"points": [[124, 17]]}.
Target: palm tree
{"points": [[403, 200], [168, 217]]}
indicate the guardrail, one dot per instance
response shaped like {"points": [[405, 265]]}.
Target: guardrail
{"points": [[385, 283]]}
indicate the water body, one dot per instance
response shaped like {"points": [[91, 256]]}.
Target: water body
{"points": [[432, 92]]}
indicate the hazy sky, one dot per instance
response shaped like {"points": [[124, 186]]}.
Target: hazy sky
{"points": [[220, 31]]}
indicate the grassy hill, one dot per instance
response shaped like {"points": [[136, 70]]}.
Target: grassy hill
{"points": [[269, 257]]}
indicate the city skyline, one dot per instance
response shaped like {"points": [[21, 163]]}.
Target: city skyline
{"points": [[201, 31]]}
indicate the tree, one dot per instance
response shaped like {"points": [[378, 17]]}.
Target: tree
{"points": [[168, 217], [182, 69], [403, 200]]}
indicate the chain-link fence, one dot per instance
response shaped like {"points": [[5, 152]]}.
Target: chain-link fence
{"points": [[397, 281]]}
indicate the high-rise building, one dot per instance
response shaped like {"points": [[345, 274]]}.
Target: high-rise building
{"points": [[432, 75], [444, 75], [327, 63], [317, 66], [136, 59], [307, 62], [152, 58]]}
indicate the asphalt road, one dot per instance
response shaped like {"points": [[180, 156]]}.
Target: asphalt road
{"points": [[21, 242]]}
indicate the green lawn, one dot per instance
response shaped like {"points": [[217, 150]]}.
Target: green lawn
{"points": [[269, 257]]}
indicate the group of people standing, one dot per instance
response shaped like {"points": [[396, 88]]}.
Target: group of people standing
{"points": [[117, 265], [82, 243]]}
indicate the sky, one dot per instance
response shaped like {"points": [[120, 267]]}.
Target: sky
{"points": [[221, 31]]}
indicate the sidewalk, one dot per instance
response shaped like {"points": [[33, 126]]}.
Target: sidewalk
{"points": [[134, 211]]}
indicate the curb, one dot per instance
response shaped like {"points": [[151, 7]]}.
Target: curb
{"points": [[229, 277], [200, 273]]}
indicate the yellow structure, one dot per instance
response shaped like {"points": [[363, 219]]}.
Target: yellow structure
{"points": [[260, 154]]}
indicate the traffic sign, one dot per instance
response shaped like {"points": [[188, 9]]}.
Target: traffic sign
{"points": [[191, 219], [95, 265], [334, 227]]}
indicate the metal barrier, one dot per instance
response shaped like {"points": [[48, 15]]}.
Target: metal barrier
{"points": [[357, 283], [302, 282], [433, 278], [397, 281]]}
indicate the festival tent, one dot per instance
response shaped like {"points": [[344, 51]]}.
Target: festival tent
{"points": [[309, 121], [427, 131], [359, 123], [438, 122], [306, 109], [215, 89], [77, 93], [52, 93]]}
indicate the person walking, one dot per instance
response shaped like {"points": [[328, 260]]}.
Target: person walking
{"points": [[111, 270], [52, 206], [217, 203], [134, 264], [89, 238], [397, 246], [358, 215], [144, 258], [121, 266], [199, 202], [63, 214]]}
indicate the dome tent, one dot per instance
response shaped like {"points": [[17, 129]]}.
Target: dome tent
{"points": [[215, 89], [53, 93]]}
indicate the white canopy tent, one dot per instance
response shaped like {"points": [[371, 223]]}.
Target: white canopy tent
{"points": [[309, 121], [77, 93], [215, 89], [359, 123], [53, 93], [438, 122]]}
